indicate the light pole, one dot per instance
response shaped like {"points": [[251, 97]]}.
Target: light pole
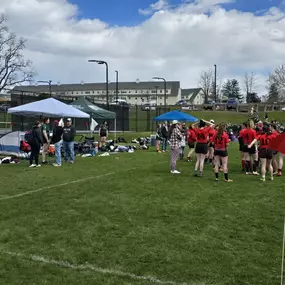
{"points": [[156, 87], [117, 85], [215, 83], [107, 77], [161, 78], [49, 85]]}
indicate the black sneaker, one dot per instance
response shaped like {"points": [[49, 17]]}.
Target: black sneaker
{"points": [[44, 162]]}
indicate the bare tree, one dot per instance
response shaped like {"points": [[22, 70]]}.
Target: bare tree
{"points": [[14, 69], [250, 82], [277, 77], [206, 83]]}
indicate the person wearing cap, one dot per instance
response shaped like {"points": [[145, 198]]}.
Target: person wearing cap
{"points": [[57, 141], [175, 137], [68, 141]]}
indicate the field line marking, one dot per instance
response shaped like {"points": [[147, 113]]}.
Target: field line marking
{"points": [[71, 182], [90, 267]]}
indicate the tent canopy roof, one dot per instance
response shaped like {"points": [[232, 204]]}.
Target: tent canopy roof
{"points": [[47, 108], [176, 115], [94, 111]]}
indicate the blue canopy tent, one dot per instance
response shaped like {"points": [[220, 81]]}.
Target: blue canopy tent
{"points": [[176, 115]]}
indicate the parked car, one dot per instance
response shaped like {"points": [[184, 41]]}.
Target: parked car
{"points": [[181, 103], [148, 106], [232, 103], [4, 107]]}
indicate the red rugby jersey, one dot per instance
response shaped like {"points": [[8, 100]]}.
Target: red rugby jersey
{"points": [[248, 136], [202, 134], [222, 142]]}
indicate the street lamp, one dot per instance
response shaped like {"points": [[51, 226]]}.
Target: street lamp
{"points": [[49, 85], [107, 77], [156, 87], [117, 85], [161, 78], [215, 83]]}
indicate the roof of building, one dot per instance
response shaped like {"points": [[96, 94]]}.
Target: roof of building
{"points": [[173, 85], [192, 92]]}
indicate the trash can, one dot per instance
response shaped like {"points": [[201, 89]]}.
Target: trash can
{"points": [[153, 140]]}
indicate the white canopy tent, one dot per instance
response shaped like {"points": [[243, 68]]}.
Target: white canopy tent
{"points": [[47, 108]]}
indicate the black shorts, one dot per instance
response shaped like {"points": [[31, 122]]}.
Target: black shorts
{"points": [[201, 148], [251, 150], [265, 153], [191, 144], [221, 153], [241, 147], [211, 144]]}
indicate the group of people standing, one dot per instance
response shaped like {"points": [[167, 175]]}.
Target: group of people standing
{"points": [[210, 142], [62, 134], [207, 140], [253, 155]]}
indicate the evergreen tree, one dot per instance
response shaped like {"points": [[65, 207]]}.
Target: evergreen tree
{"points": [[273, 95], [231, 89]]}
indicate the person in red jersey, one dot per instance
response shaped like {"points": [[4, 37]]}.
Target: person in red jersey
{"points": [[220, 141], [212, 132], [201, 149], [265, 154], [248, 136], [275, 134], [191, 139], [241, 146]]}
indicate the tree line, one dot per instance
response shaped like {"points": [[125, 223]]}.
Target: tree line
{"points": [[231, 87]]}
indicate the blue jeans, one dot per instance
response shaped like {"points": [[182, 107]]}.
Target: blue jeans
{"points": [[164, 144], [68, 148], [58, 152]]}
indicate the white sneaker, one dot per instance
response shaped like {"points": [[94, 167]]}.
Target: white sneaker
{"points": [[32, 165], [56, 165], [255, 173], [38, 165], [175, 172]]}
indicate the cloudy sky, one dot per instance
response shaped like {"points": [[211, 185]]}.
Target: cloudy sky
{"points": [[175, 39]]}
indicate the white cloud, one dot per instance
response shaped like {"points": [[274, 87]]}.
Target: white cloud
{"points": [[157, 6], [175, 42]]}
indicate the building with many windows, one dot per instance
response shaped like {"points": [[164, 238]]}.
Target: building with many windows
{"points": [[134, 93]]}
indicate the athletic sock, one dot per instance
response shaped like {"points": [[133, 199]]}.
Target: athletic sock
{"points": [[210, 161], [250, 166], [243, 164], [247, 165], [226, 176], [217, 175]]}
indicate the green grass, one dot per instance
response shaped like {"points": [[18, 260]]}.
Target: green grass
{"points": [[139, 121], [139, 219]]}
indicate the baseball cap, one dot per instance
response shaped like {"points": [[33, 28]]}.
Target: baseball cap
{"points": [[174, 122], [212, 121], [68, 120]]}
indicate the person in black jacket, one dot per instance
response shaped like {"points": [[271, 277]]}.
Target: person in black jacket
{"points": [[36, 144]]}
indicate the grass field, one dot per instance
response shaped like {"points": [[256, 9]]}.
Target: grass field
{"points": [[124, 219], [139, 121]]}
